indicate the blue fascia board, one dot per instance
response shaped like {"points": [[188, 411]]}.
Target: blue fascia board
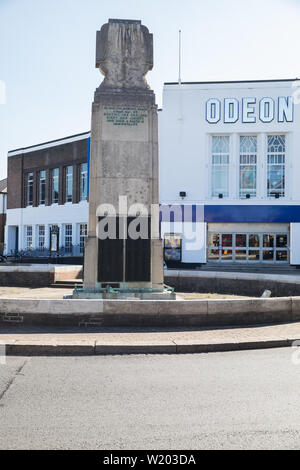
{"points": [[231, 213]]}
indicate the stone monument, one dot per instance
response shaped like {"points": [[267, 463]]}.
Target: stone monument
{"points": [[123, 251]]}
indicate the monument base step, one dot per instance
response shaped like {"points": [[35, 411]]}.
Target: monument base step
{"points": [[166, 293]]}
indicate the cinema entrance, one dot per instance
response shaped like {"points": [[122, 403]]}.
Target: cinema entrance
{"points": [[248, 243]]}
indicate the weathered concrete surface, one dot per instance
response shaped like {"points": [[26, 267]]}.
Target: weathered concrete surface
{"points": [[123, 69], [148, 312], [124, 144], [248, 284]]}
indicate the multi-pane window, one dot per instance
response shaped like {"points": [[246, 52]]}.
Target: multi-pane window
{"points": [[42, 187], [248, 163], [220, 166], [28, 237], [82, 236], [248, 247], [276, 166], [41, 237], [29, 189], [55, 185], [83, 181], [68, 238], [69, 183]]}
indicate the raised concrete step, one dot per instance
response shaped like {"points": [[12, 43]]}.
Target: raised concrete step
{"points": [[148, 313]]}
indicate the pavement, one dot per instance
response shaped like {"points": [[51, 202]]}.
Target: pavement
{"points": [[228, 400], [31, 341]]}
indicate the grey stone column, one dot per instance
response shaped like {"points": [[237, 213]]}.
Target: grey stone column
{"points": [[124, 139]]}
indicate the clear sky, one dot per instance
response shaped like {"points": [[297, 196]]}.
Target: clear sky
{"points": [[47, 50]]}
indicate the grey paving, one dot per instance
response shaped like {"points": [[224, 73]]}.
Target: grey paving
{"points": [[239, 400], [35, 341]]}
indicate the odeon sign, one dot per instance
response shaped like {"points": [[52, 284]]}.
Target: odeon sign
{"points": [[250, 110]]}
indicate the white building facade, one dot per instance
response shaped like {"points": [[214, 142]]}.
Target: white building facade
{"points": [[47, 211], [229, 164]]}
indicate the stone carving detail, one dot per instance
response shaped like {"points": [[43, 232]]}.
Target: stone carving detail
{"points": [[124, 54]]}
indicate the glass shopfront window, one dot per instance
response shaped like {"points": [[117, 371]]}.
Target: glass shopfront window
{"points": [[241, 240], [240, 255], [268, 241], [248, 247], [281, 241], [253, 240]]}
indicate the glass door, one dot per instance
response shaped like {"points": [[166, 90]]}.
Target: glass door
{"points": [[241, 247]]}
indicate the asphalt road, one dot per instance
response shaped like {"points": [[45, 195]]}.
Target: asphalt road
{"points": [[232, 400]]}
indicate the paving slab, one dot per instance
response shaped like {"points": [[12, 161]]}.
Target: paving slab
{"points": [[23, 340]]}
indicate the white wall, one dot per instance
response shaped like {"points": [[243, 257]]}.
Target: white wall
{"points": [[55, 214], [295, 243]]}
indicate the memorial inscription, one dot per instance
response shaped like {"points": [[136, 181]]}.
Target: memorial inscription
{"points": [[125, 116]]}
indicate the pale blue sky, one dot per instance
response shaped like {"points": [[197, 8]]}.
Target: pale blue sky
{"points": [[47, 50]]}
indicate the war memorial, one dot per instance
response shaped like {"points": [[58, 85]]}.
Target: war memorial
{"points": [[123, 253]]}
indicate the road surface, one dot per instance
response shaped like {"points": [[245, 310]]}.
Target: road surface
{"points": [[232, 400]]}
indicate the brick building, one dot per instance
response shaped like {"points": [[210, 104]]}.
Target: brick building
{"points": [[47, 207]]}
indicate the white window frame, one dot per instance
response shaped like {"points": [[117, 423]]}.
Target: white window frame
{"points": [[41, 237], [55, 178], [82, 238], [69, 176], [255, 165], [42, 180], [68, 238], [212, 165], [30, 177], [28, 237], [267, 153], [83, 177]]}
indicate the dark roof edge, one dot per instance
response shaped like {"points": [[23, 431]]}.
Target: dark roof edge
{"points": [[234, 81], [49, 142]]}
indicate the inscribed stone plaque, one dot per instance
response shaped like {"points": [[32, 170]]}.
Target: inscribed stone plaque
{"points": [[125, 123]]}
